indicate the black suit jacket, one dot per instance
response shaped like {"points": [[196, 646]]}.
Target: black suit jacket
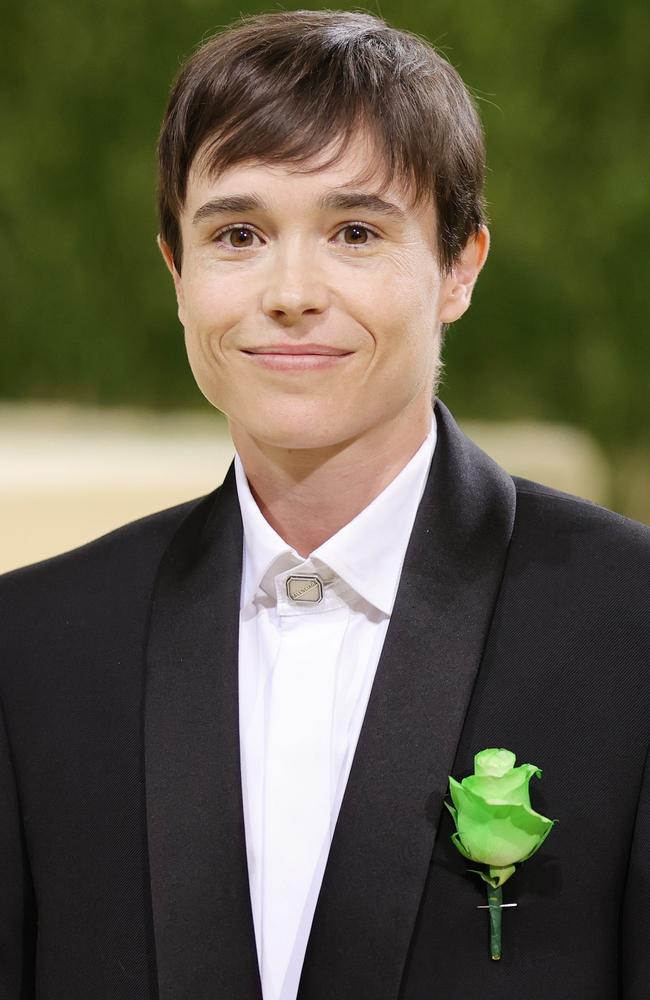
{"points": [[520, 621]]}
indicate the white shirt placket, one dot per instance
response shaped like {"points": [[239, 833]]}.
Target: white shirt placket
{"points": [[299, 776]]}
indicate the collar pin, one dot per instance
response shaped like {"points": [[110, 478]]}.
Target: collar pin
{"points": [[305, 589]]}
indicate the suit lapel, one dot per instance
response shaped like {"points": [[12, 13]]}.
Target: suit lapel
{"points": [[203, 925], [384, 838]]}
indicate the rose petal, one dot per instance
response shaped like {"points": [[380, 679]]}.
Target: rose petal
{"points": [[501, 875], [455, 789], [500, 834], [494, 762], [551, 824], [459, 844], [511, 787]]}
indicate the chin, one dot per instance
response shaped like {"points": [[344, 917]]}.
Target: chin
{"points": [[294, 439], [294, 433]]}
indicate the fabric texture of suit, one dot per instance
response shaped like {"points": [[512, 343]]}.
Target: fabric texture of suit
{"points": [[521, 621]]}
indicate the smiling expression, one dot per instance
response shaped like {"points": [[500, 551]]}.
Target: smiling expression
{"points": [[311, 305]]}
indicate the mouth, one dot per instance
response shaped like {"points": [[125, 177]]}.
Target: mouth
{"points": [[298, 359], [299, 349]]}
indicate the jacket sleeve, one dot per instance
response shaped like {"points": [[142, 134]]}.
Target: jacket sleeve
{"points": [[17, 910], [635, 922]]}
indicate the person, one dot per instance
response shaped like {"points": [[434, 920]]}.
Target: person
{"points": [[229, 727]]}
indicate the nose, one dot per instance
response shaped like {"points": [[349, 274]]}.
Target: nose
{"points": [[293, 284]]}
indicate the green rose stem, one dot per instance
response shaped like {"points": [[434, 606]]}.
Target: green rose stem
{"points": [[494, 900]]}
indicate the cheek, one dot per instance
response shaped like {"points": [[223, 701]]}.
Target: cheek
{"points": [[207, 314], [206, 305], [212, 314], [408, 325]]}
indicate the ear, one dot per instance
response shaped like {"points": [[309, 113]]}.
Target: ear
{"points": [[457, 287], [168, 257]]}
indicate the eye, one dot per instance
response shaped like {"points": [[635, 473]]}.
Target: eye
{"points": [[240, 231], [244, 233], [357, 228]]}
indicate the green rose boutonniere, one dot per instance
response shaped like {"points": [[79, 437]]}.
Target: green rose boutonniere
{"points": [[496, 825]]}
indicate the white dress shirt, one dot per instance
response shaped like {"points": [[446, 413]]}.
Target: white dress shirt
{"points": [[305, 674]]}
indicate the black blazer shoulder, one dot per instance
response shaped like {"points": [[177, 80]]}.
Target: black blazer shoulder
{"points": [[596, 533], [591, 563], [96, 596], [99, 573]]}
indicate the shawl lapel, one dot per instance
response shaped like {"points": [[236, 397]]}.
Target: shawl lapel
{"points": [[203, 925], [385, 833], [384, 838]]}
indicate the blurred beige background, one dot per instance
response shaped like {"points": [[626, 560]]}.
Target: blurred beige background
{"points": [[69, 473]]}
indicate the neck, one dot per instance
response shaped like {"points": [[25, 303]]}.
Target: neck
{"points": [[307, 495]]}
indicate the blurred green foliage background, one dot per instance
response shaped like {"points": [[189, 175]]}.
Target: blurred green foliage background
{"points": [[558, 328]]}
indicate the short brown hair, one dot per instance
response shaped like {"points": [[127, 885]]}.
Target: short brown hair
{"points": [[280, 87]]}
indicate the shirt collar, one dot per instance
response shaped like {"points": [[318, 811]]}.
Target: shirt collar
{"points": [[358, 552]]}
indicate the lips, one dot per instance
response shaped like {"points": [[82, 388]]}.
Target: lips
{"points": [[300, 349], [294, 360]]}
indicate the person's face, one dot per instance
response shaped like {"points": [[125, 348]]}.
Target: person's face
{"points": [[300, 276]]}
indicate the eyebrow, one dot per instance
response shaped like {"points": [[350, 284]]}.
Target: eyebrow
{"points": [[337, 199]]}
